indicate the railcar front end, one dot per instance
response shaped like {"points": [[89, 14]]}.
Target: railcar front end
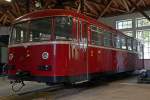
{"points": [[39, 49]]}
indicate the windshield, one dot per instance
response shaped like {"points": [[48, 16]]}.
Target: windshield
{"points": [[19, 33], [32, 31], [63, 28], [41, 30]]}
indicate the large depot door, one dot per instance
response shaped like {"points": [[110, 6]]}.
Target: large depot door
{"points": [[79, 53]]}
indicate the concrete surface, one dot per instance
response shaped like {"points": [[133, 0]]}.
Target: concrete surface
{"points": [[124, 89], [5, 87]]}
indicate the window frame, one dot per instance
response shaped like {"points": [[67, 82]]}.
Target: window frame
{"points": [[99, 35], [124, 22], [50, 28], [72, 33], [142, 20]]}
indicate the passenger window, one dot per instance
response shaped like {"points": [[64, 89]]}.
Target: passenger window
{"points": [[75, 29], [118, 42], [101, 36], [135, 44], [107, 39], [114, 41], [63, 28], [84, 32], [129, 43], [123, 43], [96, 35]]}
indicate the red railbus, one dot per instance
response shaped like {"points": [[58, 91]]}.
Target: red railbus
{"points": [[62, 46]]}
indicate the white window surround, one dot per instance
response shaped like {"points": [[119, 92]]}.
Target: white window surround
{"points": [[124, 24]]}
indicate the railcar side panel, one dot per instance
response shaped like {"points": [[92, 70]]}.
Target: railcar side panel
{"points": [[113, 61]]}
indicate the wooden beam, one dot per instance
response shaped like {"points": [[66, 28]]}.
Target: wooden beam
{"points": [[91, 8], [11, 16], [1, 12], [13, 7], [138, 3], [27, 6], [142, 12], [106, 8], [48, 3], [120, 10], [2, 17], [5, 20], [17, 8], [144, 3], [126, 5], [99, 6], [13, 13], [95, 6], [82, 5], [115, 3], [79, 7], [90, 14], [73, 9]]}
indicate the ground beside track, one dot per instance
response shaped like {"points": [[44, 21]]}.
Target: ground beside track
{"points": [[124, 89]]}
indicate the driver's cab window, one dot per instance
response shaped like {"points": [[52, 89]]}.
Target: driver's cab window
{"points": [[63, 28], [40, 30], [19, 33]]}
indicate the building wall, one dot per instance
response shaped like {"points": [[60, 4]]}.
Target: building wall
{"points": [[4, 30], [3, 55], [111, 21], [3, 49]]}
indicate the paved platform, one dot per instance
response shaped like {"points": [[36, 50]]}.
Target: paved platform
{"points": [[124, 89]]}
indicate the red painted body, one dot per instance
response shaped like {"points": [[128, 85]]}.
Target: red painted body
{"points": [[70, 58]]}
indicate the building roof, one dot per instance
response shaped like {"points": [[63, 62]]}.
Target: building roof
{"points": [[93, 8]]}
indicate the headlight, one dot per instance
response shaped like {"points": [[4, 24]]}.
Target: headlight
{"points": [[45, 55], [11, 56]]}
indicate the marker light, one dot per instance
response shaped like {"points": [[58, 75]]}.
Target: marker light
{"points": [[11, 56], [45, 55]]}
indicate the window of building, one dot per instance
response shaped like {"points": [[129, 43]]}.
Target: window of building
{"points": [[128, 33], [140, 22], [139, 35], [124, 24], [140, 50], [144, 36]]}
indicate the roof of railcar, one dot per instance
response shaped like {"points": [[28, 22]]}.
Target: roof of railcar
{"points": [[62, 12]]}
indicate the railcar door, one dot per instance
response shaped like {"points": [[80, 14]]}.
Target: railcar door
{"points": [[79, 69], [83, 49]]}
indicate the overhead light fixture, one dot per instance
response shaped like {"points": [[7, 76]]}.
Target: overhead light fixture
{"points": [[8, 0]]}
